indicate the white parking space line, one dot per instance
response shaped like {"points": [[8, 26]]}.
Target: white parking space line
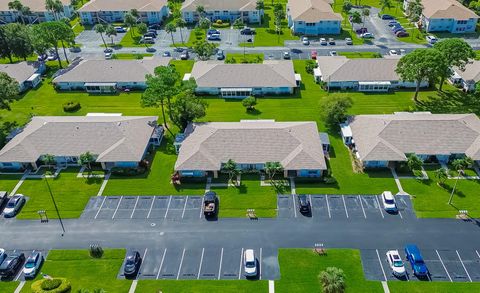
{"points": [[161, 263], [443, 265], [184, 207], [181, 263], [400, 214], [20, 272], [478, 254], [294, 205], [168, 206], [461, 261], [379, 207], [361, 204], [120, 201], [220, 267], [143, 260], [311, 205], [201, 207], [345, 205], [201, 262], [134, 207], [260, 263], [381, 265], [240, 268], [328, 206], [103, 201], [151, 206]]}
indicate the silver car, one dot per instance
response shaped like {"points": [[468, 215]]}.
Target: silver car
{"points": [[14, 205], [33, 264]]}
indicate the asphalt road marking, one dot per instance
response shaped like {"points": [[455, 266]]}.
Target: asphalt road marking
{"points": [[381, 265], [345, 205], [134, 207], [311, 205], [220, 267], [361, 204], [400, 214], [240, 268], [328, 206], [184, 207], [161, 263], [294, 205], [201, 262], [260, 265], [201, 206], [461, 261], [151, 206], [379, 207], [181, 263], [168, 206], [103, 201], [120, 201], [143, 261], [478, 254], [443, 265]]}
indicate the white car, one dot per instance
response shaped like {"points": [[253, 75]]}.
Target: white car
{"points": [[431, 39], [3, 255], [395, 262], [305, 41], [108, 55], [333, 53], [250, 263], [393, 53], [388, 201], [348, 41], [33, 264], [367, 36], [323, 42]]}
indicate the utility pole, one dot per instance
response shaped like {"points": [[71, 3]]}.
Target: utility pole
{"points": [[55, 204]]}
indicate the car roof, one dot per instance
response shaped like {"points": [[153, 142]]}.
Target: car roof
{"points": [[131, 254], [210, 195], [33, 255], [413, 249], [249, 255], [388, 195]]}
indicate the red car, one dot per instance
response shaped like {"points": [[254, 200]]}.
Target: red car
{"points": [[314, 54]]}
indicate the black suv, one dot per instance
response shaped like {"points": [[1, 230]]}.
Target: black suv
{"points": [[132, 264], [11, 264], [304, 204]]}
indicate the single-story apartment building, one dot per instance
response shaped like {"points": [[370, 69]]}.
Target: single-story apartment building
{"points": [[467, 77], [114, 141], [107, 76], [379, 140], [313, 17], [224, 10], [110, 11], [38, 12], [360, 74], [446, 16], [27, 74], [206, 147], [272, 77]]}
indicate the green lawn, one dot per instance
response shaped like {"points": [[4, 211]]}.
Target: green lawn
{"points": [[247, 58], [130, 56], [8, 287], [77, 26], [353, 55], [132, 39], [8, 182], [85, 272], [71, 194], [195, 36], [202, 286], [437, 287]]}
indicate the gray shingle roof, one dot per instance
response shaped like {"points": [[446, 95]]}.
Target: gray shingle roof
{"points": [[272, 73], [123, 5], [111, 138], [111, 70], [390, 137], [34, 5], [212, 5], [296, 145], [471, 71], [446, 9], [312, 10], [19, 71]]}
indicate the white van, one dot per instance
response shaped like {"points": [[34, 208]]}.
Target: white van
{"points": [[250, 263]]}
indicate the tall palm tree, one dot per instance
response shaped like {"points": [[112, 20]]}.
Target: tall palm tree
{"points": [[272, 168], [181, 23], [100, 29], [365, 13], [333, 280], [130, 20], [54, 6], [259, 6], [385, 4], [110, 32], [17, 6], [170, 29], [230, 167], [442, 175]]}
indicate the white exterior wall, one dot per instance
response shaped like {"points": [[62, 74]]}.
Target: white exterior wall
{"points": [[230, 16], [450, 25], [324, 27], [118, 16], [36, 17]]}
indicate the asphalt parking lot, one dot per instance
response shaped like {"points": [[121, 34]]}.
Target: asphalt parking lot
{"points": [[443, 265], [203, 263], [19, 276], [333, 206], [143, 207]]}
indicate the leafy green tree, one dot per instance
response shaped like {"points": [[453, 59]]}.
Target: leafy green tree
{"points": [[259, 6], [9, 89], [273, 168], [169, 76], [54, 6], [414, 162], [19, 42], [65, 35], [186, 108], [200, 11], [130, 20], [110, 31], [181, 23], [421, 65], [86, 159], [332, 280], [142, 29], [17, 6], [230, 167], [249, 103], [334, 110], [153, 96], [100, 29], [238, 23], [279, 16], [384, 4], [456, 52], [204, 49], [204, 23], [170, 28], [5, 50], [442, 175], [346, 8], [356, 17], [414, 10], [48, 159]]}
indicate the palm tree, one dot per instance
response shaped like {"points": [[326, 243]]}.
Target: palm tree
{"points": [[48, 159], [54, 6], [272, 168], [385, 4], [346, 8], [17, 6], [130, 20], [333, 280], [230, 167], [260, 5], [200, 11], [142, 29], [181, 23], [100, 29], [110, 32], [414, 162], [86, 159], [170, 29], [365, 13], [442, 175]]}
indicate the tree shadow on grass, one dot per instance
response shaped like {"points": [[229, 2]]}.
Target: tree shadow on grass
{"points": [[452, 101]]}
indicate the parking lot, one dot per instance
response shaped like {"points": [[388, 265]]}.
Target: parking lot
{"points": [[19, 276], [443, 265], [143, 207], [203, 263], [332, 206]]}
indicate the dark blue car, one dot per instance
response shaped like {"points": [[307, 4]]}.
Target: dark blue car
{"points": [[416, 260]]}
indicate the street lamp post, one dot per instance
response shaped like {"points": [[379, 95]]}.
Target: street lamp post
{"points": [[55, 205]]}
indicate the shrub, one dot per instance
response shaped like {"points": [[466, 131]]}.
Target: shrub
{"points": [[230, 60], [96, 251], [56, 285], [221, 25], [219, 21], [310, 65], [71, 107], [127, 171]]}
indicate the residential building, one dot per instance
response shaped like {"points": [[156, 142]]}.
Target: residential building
{"points": [[382, 140], [38, 12], [107, 76], [313, 17], [362, 74], [224, 10], [27, 74], [272, 77], [110, 11], [466, 77], [114, 141], [206, 147], [446, 16]]}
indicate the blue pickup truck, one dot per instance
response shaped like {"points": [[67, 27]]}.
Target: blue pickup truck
{"points": [[416, 260]]}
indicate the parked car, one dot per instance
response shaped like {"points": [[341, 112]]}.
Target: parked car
{"points": [[151, 50], [210, 204], [247, 31], [323, 42], [108, 50], [361, 30], [14, 205], [331, 41], [431, 39], [52, 57], [286, 55], [250, 263], [153, 31], [304, 204], [213, 37], [387, 16], [32, 265], [3, 198], [150, 35], [395, 26], [305, 41], [220, 55], [166, 54], [147, 40], [393, 53], [133, 260], [3, 255], [393, 22], [212, 31], [398, 29], [120, 29], [108, 56], [42, 57], [155, 26], [184, 55], [367, 36], [313, 54], [415, 259], [402, 34], [75, 49], [396, 264], [348, 41], [12, 264], [388, 201], [333, 53]]}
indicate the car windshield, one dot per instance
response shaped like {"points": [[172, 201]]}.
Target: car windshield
{"points": [[30, 264], [11, 204], [130, 261], [398, 263], [389, 201], [250, 264]]}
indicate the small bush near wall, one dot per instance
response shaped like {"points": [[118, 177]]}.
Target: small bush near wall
{"points": [[221, 25], [71, 106]]}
